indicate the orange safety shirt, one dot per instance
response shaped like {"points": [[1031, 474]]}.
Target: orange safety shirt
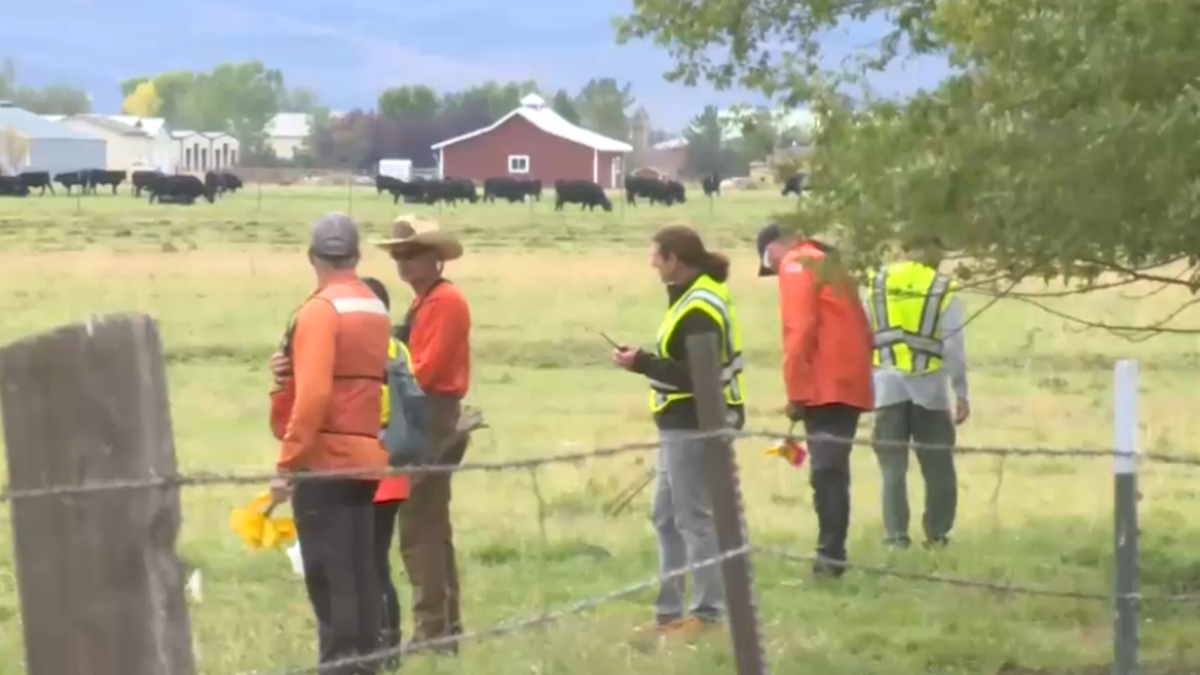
{"points": [[439, 341], [339, 357], [827, 339]]}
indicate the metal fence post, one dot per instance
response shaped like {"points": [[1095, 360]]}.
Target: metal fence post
{"points": [[1125, 531], [744, 628]]}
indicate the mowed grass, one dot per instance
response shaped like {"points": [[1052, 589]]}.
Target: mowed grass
{"points": [[222, 280]]}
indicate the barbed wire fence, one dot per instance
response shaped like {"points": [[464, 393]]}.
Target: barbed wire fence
{"points": [[91, 460]]}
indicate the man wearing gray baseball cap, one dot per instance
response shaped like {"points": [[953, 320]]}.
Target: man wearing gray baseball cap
{"points": [[329, 373]]}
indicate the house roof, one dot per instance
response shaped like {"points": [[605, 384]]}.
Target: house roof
{"points": [[671, 143], [35, 127], [184, 133], [537, 113], [107, 122], [151, 125]]}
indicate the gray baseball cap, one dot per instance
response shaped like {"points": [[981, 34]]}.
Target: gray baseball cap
{"points": [[334, 235]]}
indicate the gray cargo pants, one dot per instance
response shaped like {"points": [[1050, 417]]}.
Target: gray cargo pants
{"points": [[895, 426], [683, 518]]}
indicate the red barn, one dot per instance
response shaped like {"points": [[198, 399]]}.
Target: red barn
{"points": [[535, 143]]}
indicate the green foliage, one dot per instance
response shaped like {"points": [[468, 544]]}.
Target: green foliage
{"points": [[55, 99], [1064, 145], [236, 97], [603, 107]]}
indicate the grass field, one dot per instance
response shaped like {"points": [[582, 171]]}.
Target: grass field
{"points": [[223, 278]]}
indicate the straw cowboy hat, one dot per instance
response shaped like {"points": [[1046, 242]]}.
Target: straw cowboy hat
{"points": [[410, 230]]}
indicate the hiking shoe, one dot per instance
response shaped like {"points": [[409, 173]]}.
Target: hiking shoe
{"points": [[691, 626], [660, 626], [827, 568], [936, 543]]}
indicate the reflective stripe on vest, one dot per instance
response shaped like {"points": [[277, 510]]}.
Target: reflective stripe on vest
{"points": [[713, 298], [359, 363], [906, 338]]}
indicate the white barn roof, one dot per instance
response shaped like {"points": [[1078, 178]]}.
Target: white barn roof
{"points": [[537, 113]]}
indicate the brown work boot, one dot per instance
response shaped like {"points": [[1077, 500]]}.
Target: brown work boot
{"points": [[688, 627], [660, 626]]}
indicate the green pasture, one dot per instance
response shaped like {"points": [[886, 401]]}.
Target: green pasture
{"points": [[222, 280]]}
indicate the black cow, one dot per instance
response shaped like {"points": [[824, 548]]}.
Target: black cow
{"points": [[233, 182], [37, 179], [793, 185], [387, 183], [222, 182], [182, 189], [658, 191], [145, 180], [84, 180], [13, 186], [412, 191], [711, 184], [112, 179], [450, 190], [511, 189], [583, 192]]}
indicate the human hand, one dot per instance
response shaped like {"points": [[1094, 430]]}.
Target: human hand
{"points": [[281, 366], [962, 410], [281, 490], [624, 356], [794, 411]]}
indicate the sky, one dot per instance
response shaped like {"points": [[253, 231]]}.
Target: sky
{"points": [[350, 50]]}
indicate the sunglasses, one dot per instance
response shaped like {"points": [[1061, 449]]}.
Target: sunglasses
{"points": [[409, 253]]}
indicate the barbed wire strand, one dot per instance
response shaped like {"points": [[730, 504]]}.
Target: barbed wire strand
{"points": [[535, 621], [233, 478]]}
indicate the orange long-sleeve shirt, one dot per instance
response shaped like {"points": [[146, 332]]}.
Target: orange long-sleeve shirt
{"points": [[440, 341], [826, 336]]}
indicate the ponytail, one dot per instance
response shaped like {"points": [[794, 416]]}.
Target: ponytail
{"points": [[716, 265]]}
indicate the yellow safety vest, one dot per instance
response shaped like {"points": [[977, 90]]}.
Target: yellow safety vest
{"points": [[713, 299], [907, 301], [395, 348]]}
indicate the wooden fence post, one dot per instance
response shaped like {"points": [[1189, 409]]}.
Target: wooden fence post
{"points": [[744, 628], [100, 584]]}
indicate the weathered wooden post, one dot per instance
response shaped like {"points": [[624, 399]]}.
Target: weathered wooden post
{"points": [[744, 627], [100, 584]]}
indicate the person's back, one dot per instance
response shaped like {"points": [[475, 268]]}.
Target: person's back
{"points": [[339, 353], [827, 338]]}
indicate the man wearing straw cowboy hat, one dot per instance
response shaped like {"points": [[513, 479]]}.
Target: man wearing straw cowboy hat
{"points": [[437, 331]]}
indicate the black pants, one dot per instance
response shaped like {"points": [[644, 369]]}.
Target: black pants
{"points": [[386, 517], [830, 473], [335, 523]]}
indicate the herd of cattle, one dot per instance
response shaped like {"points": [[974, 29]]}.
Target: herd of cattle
{"points": [[187, 188], [161, 187]]}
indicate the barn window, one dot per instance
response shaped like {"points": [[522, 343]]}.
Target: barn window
{"points": [[518, 163], [232, 157]]}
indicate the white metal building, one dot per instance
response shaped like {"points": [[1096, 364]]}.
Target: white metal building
{"points": [[48, 145], [205, 150], [133, 144]]}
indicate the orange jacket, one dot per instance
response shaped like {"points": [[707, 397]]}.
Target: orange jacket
{"points": [[339, 356], [826, 336]]}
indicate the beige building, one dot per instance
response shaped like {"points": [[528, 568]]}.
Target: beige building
{"points": [[131, 143], [286, 133], [196, 151]]}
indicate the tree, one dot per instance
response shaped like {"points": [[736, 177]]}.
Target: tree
{"points": [[1063, 146], [239, 98], [55, 99], [299, 100], [706, 151], [564, 105], [602, 106], [416, 102], [143, 101]]}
